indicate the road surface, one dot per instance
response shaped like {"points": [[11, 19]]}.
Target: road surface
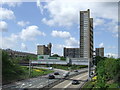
{"points": [[38, 82], [67, 84]]}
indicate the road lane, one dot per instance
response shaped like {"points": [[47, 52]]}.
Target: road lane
{"points": [[76, 78], [67, 83], [83, 78], [38, 82]]}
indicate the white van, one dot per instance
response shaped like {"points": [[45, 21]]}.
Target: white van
{"points": [[50, 68]]}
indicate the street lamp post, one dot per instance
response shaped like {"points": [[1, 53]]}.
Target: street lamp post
{"points": [[49, 68], [29, 67], [89, 69]]}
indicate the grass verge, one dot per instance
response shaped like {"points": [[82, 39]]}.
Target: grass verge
{"points": [[66, 67], [35, 71], [24, 74]]}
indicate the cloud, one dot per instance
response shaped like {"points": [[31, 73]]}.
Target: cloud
{"points": [[115, 35], [68, 39], [67, 13], [111, 26], [61, 46], [58, 46], [22, 23], [98, 21], [71, 42], [11, 4], [6, 14], [58, 49], [49, 23], [59, 14], [111, 55], [107, 26], [61, 34], [101, 45], [26, 34], [39, 5], [9, 42], [30, 33], [111, 47], [23, 46], [3, 26]]}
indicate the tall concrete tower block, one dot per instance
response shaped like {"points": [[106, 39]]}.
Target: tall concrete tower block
{"points": [[44, 50], [86, 35]]}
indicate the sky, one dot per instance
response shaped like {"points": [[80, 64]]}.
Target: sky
{"points": [[24, 25]]}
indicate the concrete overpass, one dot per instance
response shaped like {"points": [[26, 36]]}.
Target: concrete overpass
{"points": [[56, 61]]}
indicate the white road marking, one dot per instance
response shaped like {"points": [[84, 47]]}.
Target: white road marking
{"points": [[82, 76], [40, 86], [27, 85], [30, 84], [34, 86], [67, 85]]}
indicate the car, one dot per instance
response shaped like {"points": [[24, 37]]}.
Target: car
{"points": [[56, 73], [51, 76], [75, 70], [92, 72], [50, 68], [66, 75], [74, 82]]}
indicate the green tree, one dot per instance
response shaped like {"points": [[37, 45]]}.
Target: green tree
{"points": [[100, 70], [55, 55], [10, 68], [31, 57], [97, 59], [62, 58], [108, 69]]}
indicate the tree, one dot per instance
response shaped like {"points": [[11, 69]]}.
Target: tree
{"points": [[97, 59], [6, 63], [55, 55], [62, 58], [107, 69], [10, 68]]}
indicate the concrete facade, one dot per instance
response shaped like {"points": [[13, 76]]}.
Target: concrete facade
{"points": [[86, 35], [71, 52], [13, 53], [46, 57], [99, 52], [43, 50]]}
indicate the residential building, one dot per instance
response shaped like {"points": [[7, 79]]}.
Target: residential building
{"points": [[20, 54], [86, 35], [44, 50], [99, 52], [71, 52]]}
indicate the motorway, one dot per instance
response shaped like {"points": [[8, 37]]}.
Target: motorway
{"points": [[39, 82], [67, 84]]}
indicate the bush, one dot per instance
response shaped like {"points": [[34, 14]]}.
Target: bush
{"points": [[62, 58], [10, 68], [108, 69]]}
